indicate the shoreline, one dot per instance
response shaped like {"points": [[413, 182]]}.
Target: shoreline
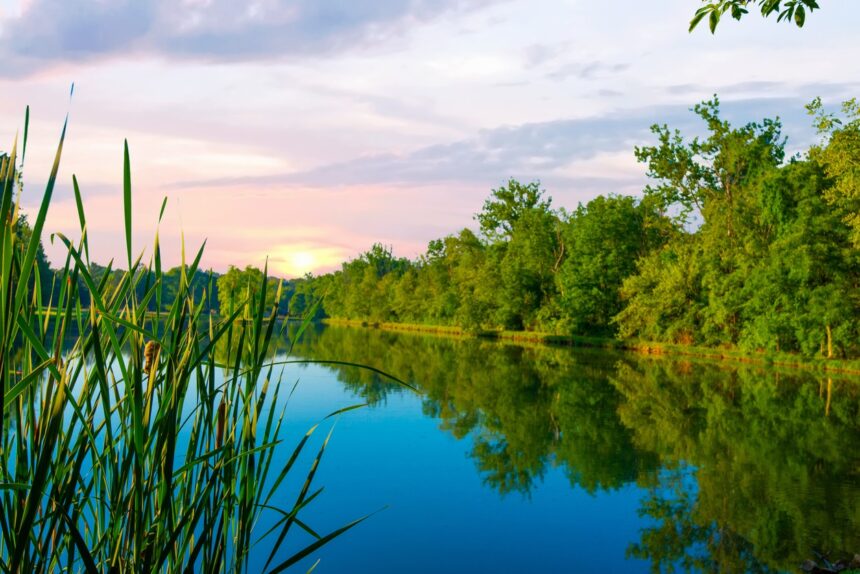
{"points": [[841, 366]]}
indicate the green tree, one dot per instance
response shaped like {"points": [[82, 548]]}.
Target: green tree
{"points": [[839, 155], [507, 205], [242, 287], [603, 240], [664, 300], [527, 264], [305, 297], [766, 261]]}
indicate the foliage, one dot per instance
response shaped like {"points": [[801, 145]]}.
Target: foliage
{"points": [[787, 10], [732, 245], [770, 266], [530, 270], [507, 205], [239, 288], [603, 240], [127, 443], [839, 154]]}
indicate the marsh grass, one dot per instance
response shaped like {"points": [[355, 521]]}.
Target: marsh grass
{"points": [[133, 440]]}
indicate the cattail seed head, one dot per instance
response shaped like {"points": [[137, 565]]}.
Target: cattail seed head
{"points": [[222, 419], [149, 353]]}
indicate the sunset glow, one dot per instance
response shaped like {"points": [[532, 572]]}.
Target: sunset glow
{"points": [[338, 135]]}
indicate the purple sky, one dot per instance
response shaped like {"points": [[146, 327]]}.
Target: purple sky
{"points": [[306, 130]]}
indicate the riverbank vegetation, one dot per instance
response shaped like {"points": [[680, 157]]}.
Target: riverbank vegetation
{"points": [[733, 245]]}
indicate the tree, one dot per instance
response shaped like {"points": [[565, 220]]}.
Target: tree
{"points": [[718, 179], [527, 266], [703, 175], [663, 301], [242, 287], [507, 205], [771, 266], [839, 154], [786, 10], [305, 297], [603, 240]]}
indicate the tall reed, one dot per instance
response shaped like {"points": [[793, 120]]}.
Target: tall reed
{"points": [[137, 434]]}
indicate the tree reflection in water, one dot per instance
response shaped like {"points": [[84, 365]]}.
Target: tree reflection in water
{"points": [[745, 468]]}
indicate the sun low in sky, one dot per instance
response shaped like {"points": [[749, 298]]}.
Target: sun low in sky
{"points": [[307, 130], [296, 260]]}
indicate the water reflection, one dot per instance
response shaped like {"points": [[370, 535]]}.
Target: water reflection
{"points": [[742, 468]]}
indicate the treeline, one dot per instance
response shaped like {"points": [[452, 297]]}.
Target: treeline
{"points": [[731, 244], [213, 292]]}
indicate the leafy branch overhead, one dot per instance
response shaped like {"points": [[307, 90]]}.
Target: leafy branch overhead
{"points": [[786, 10]]}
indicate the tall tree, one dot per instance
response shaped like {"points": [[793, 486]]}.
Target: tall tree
{"points": [[603, 240], [506, 205], [839, 154], [242, 287]]}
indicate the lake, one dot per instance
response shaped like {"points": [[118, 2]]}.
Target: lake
{"points": [[547, 459]]}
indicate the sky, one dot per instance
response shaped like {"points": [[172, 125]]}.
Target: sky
{"points": [[304, 131]]}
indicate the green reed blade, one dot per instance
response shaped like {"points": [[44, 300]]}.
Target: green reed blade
{"points": [[26, 132], [291, 515], [316, 545], [81, 217], [15, 391], [126, 200], [301, 497], [39, 223], [40, 478], [389, 376], [80, 543]]}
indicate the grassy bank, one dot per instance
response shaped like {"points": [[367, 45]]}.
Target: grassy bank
{"points": [[849, 366]]}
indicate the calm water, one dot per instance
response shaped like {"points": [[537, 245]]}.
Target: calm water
{"points": [[534, 459]]}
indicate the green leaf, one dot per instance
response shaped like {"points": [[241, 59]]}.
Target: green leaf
{"points": [[700, 13], [81, 217], [163, 206], [26, 131], [315, 546], [126, 196]]}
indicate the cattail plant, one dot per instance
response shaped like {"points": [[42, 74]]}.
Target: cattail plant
{"points": [[126, 443]]}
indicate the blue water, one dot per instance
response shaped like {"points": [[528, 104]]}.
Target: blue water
{"points": [[510, 458], [515, 458], [433, 512]]}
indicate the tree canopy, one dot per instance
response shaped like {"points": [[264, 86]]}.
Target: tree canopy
{"points": [[731, 244]]}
